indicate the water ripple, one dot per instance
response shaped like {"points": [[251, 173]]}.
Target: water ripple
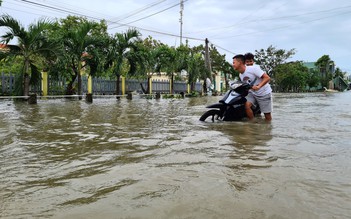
{"points": [[155, 159]]}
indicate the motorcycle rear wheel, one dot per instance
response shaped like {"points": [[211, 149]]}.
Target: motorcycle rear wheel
{"points": [[212, 114]]}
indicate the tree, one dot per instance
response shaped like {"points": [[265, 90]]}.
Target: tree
{"points": [[121, 51], [324, 64], [229, 71], [31, 44], [81, 45], [313, 78], [145, 60], [148, 51], [220, 65], [196, 68], [339, 73], [192, 61], [270, 58], [291, 76], [167, 62]]}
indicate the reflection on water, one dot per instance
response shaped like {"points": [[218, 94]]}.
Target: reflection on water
{"points": [[155, 159]]}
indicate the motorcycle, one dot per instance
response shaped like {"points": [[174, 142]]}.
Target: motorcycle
{"points": [[232, 106]]}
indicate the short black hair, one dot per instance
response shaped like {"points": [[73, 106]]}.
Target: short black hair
{"points": [[240, 57], [249, 56]]}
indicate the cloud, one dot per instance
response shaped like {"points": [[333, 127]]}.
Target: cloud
{"points": [[313, 28]]}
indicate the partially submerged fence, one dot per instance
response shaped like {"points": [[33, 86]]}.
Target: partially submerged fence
{"points": [[99, 86], [7, 84]]}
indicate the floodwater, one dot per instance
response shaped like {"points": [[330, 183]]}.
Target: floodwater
{"points": [[145, 158]]}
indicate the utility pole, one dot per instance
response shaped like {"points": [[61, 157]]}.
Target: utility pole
{"points": [[207, 55], [207, 64], [181, 20]]}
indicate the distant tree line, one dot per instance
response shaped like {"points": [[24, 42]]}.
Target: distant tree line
{"points": [[295, 76]]}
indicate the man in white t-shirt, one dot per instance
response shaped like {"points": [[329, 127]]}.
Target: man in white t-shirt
{"points": [[261, 92]]}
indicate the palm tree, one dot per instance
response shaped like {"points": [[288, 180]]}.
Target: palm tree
{"points": [[79, 47], [123, 46], [167, 62], [76, 42], [148, 62], [82, 44], [195, 69], [31, 43]]}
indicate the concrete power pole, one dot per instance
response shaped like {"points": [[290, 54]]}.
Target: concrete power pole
{"points": [[181, 21], [207, 56], [207, 64]]}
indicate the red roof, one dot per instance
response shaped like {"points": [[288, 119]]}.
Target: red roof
{"points": [[3, 47]]}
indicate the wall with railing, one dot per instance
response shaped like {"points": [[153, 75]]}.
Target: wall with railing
{"points": [[97, 86]]}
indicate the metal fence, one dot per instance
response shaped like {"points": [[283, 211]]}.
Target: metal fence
{"points": [[101, 86], [7, 84]]}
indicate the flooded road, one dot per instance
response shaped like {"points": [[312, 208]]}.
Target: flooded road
{"points": [[155, 159]]}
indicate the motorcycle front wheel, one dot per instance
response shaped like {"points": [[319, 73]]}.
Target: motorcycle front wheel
{"points": [[213, 114]]}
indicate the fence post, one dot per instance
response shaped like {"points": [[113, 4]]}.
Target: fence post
{"points": [[44, 83], [90, 85], [123, 85], [32, 99], [150, 86], [158, 95], [89, 98], [129, 96], [188, 88], [170, 87]]}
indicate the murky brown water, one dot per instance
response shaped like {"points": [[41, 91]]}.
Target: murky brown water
{"points": [[155, 159]]}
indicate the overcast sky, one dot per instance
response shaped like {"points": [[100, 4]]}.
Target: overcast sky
{"points": [[312, 27]]}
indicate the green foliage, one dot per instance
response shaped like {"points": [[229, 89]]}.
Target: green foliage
{"points": [[339, 73], [218, 62], [323, 64], [32, 44], [291, 76], [11, 64], [196, 68], [82, 48], [122, 54], [172, 96], [313, 78], [270, 58], [193, 94], [323, 61]]}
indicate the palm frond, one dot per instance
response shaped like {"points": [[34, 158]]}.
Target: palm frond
{"points": [[15, 28], [3, 55]]}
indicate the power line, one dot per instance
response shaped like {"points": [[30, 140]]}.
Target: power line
{"points": [[283, 27], [20, 10], [96, 18], [131, 14], [222, 48], [54, 8], [272, 19], [147, 16], [69, 7]]}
